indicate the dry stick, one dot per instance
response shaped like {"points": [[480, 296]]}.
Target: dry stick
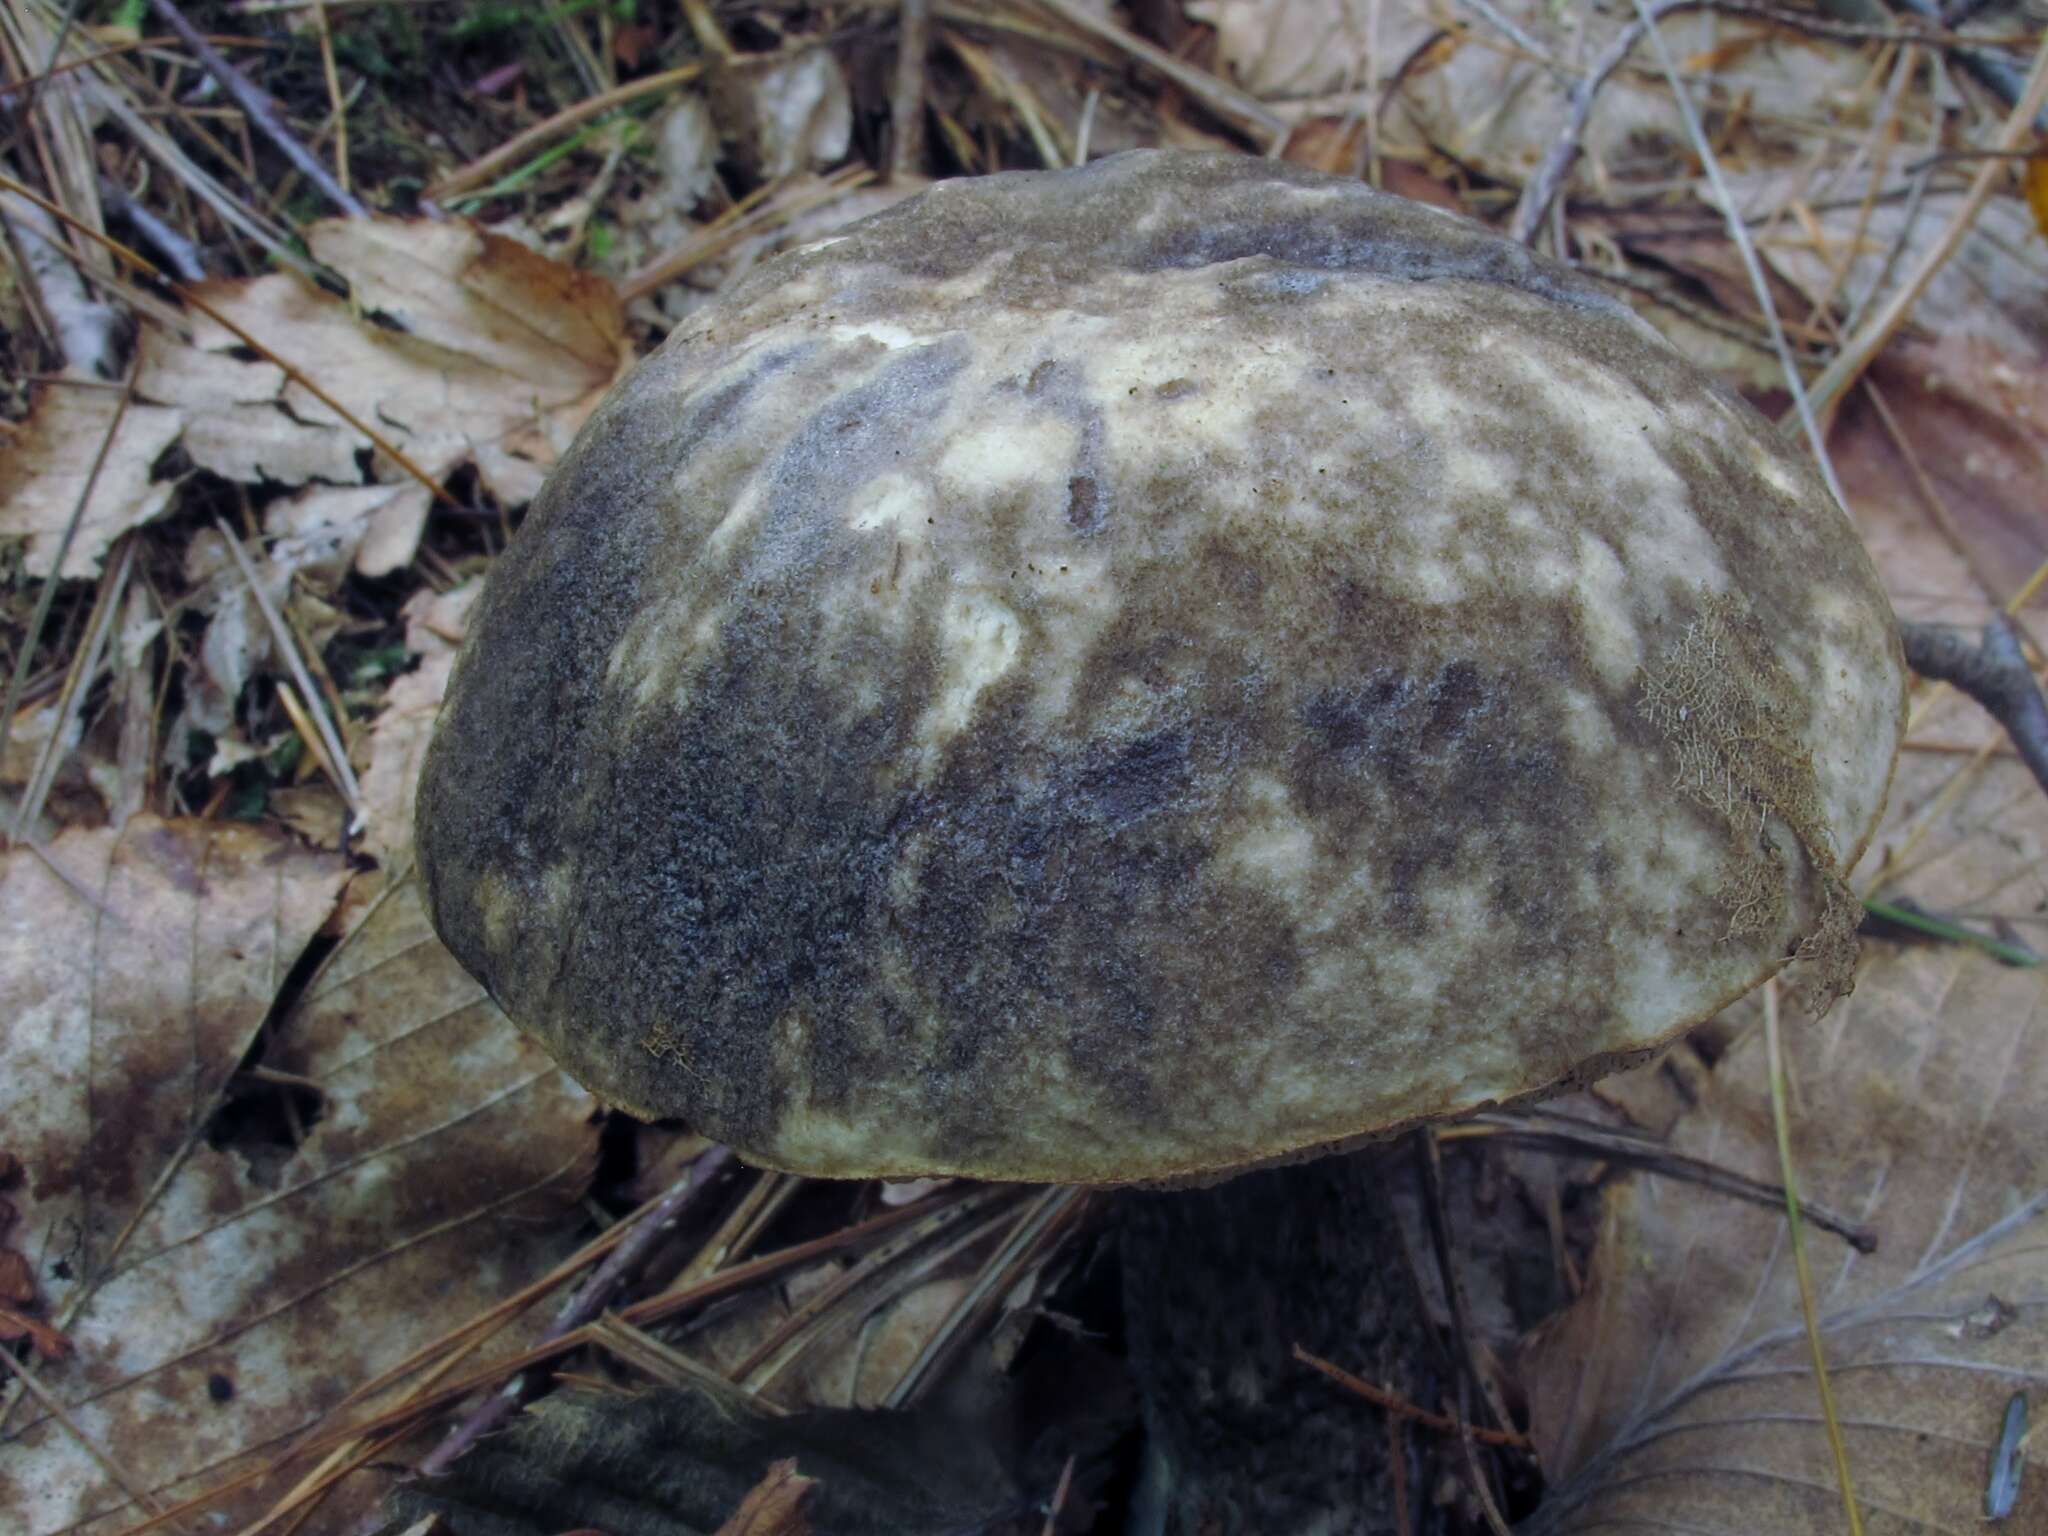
{"points": [[521, 145], [78, 680], [589, 1300], [1856, 353], [1542, 189], [1992, 70], [1994, 672], [259, 109], [1043, 1222], [653, 1309], [179, 254], [1564, 1136], [333, 93], [1224, 100], [1544, 186], [1401, 1408], [248, 338], [906, 97], [34, 83], [338, 767]]}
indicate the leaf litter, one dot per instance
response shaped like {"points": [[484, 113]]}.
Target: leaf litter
{"points": [[1678, 1388], [466, 348], [239, 1286]]}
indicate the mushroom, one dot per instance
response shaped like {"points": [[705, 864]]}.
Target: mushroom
{"points": [[1134, 673]]}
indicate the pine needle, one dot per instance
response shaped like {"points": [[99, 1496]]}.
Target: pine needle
{"points": [[1781, 1119]]}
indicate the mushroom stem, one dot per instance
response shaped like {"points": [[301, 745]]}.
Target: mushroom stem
{"points": [[1221, 1286]]}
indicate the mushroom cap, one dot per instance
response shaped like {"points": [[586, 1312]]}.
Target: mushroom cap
{"points": [[1128, 673]]}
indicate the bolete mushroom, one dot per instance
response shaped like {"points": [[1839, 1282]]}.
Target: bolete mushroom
{"points": [[1133, 673]]}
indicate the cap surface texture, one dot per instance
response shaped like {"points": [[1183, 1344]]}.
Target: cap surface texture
{"points": [[1127, 673]]}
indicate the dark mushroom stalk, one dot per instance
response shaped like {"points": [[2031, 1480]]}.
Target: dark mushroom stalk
{"points": [[1132, 674]]}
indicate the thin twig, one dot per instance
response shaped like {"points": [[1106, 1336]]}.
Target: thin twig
{"points": [[1059, 1498], [179, 254], [519, 146], [1992, 70], [1992, 671], [588, 1302], [340, 771], [1739, 233], [78, 680], [1400, 1407], [56, 1409], [1564, 1136], [340, 106], [48, 595], [1869, 339], [260, 111], [906, 96], [1543, 187], [1224, 100]]}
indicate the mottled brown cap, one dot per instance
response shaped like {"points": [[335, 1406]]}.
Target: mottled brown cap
{"points": [[1137, 671]]}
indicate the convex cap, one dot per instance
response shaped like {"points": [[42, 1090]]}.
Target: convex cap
{"points": [[1127, 673]]}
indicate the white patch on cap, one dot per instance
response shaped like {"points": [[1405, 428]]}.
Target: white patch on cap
{"points": [[894, 337], [1002, 455], [894, 502], [981, 639], [1277, 845], [1612, 643]]}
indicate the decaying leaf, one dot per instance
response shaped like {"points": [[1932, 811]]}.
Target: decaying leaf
{"points": [[435, 623], [232, 1279], [1678, 1392], [491, 355], [47, 462]]}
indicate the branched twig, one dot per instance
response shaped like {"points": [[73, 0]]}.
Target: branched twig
{"points": [[1542, 189], [260, 110], [1994, 673]]}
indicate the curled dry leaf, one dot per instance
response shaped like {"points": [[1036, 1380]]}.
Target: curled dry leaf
{"points": [[493, 355], [1678, 1392], [237, 1284], [46, 464]]}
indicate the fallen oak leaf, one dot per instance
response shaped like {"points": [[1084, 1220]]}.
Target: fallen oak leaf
{"points": [[242, 1285], [1677, 1392], [47, 462]]}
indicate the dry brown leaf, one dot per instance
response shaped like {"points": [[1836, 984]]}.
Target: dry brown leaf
{"points": [[1678, 1394], [46, 463], [776, 1505], [236, 1291], [1485, 101], [501, 356], [1974, 417], [1279, 48], [435, 624], [1836, 251]]}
